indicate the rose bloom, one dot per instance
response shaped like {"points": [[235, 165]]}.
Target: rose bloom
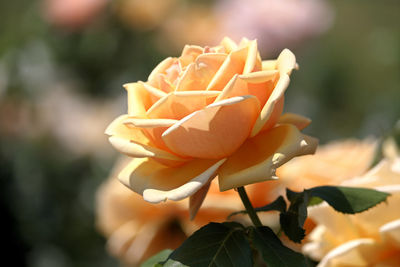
{"points": [[136, 229], [371, 238], [332, 164], [211, 111]]}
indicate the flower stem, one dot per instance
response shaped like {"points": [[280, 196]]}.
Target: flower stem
{"points": [[249, 208]]}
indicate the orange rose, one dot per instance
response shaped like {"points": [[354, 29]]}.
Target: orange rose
{"points": [[213, 110]]}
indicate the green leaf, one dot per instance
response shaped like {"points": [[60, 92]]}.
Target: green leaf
{"points": [[314, 201], [349, 199], [155, 260], [216, 244], [293, 219], [274, 253]]}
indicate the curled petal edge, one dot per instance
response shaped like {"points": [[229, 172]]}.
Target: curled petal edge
{"points": [[153, 195]]}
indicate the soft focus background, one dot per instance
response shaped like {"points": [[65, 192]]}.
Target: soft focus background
{"points": [[62, 64]]}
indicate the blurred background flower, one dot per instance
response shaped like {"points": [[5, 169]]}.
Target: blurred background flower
{"points": [[274, 23], [62, 64], [370, 238]]}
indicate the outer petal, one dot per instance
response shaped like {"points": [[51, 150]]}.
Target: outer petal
{"points": [[161, 67], [214, 132], [152, 128], [297, 120], [286, 62], [177, 105], [273, 108], [157, 182], [197, 199], [349, 254], [119, 129], [257, 159], [132, 142], [391, 232], [139, 99]]}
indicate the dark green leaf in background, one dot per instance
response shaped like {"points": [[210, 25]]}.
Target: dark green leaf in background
{"points": [[293, 219], [216, 245], [349, 199], [274, 253]]}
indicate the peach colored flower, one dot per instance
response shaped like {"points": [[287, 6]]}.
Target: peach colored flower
{"points": [[371, 238], [212, 111], [332, 164]]}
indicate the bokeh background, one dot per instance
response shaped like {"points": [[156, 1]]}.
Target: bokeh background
{"points": [[62, 64]]}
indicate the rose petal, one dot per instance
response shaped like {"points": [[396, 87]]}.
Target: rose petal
{"points": [[286, 62], [154, 92], [152, 129], [198, 75], [157, 182], [297, 120], [259, 76], [119, 129], [232, 65], [119, 240], [214, 132], [161, 67], [229, 44], [257, 159], [162, 82], [189, 54], [272, 109], [177, 105], [148, 123], [197, 199], [139, 99], [391, 232], [350, 253], [238, 86], [132, 142], [269, 64], [251, 61]]}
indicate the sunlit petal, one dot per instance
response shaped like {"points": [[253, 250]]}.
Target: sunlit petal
{"points": [[273, 107], [257, 159], [297, 120], [214, 132], [158, 183]]}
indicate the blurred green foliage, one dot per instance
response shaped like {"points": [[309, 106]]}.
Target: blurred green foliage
{"points": [[348, 83]]}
